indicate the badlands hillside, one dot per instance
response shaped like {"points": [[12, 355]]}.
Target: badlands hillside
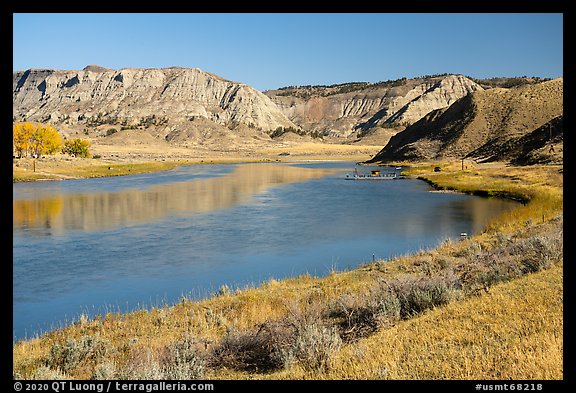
{"points": [[182, 107], [189, 107], [350, 110], [183, 111], [521, 124], [135, 96]]}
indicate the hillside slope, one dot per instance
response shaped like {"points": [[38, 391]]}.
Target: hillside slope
{"points": [[486, 125], [341, 110], [168, 100]]}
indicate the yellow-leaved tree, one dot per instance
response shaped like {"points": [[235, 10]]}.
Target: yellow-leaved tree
{"points": [[46, 140], [22, 137], [77, 147], [35, 140]]}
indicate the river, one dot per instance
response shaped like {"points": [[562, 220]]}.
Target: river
{"points": [[117, 244]]}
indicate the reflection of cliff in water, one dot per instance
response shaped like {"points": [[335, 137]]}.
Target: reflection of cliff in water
{"points": [[476, 212], [483, 210], [97, 211]]}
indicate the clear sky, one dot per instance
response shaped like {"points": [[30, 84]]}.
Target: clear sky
{"points": [[268, 51]]}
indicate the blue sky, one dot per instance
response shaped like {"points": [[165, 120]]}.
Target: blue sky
{"points": [[268, 51]]}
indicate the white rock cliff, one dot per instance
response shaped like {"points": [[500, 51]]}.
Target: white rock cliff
{"points": [[129, 95]]}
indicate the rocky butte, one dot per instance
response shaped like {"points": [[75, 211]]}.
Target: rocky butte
{"points": [[171, 100]]}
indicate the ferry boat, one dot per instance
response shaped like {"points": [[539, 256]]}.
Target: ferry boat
{"points": [[374, 175]]}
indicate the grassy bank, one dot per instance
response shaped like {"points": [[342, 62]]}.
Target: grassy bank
{"points": [[539, 188], [508, 332], [77, 168], [120, 163], [467, 309]]}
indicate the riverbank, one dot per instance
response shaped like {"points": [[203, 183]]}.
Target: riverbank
{"points": [[372, 322], [117, 161]]}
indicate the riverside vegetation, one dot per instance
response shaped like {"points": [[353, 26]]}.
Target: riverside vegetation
{"points": [[27, 169], [488, 307]]}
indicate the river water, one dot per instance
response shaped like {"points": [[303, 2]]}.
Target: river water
{"points": [[117, 244]]}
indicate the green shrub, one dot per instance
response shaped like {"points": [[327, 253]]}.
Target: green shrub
{"points": [[77, 147]]}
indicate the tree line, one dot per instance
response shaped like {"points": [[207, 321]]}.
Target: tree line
{"points": [[35, 140]]}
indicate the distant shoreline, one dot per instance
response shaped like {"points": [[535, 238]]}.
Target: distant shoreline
{"points": [[61, 167]]}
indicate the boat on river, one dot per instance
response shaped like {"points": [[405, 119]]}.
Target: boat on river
{"points": [[374, 175]]}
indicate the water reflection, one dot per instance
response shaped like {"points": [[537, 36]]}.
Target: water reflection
{"points": [[96, 211], [481, 210]]}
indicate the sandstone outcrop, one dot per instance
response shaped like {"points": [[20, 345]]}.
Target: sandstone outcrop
{"points": [[336, 111], [135, 96]]}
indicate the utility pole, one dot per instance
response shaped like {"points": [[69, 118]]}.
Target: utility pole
{"points": [[551, 150]]}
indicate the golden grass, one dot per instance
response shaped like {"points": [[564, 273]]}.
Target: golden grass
{"points": [[84, 168], [513, 331]]}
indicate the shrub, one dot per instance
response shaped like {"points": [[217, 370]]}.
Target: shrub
{"points": [[45, 373], [316, 134], [539, 252], [512, 258], [489, 269], [73, 352], [385, 301], [250, 351], [77, 147], [363, 315], [301, 337], [104, 371], [313, 347], [279, 131], [141, 365], [417, 295], [182, 361], [469, 249]]}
